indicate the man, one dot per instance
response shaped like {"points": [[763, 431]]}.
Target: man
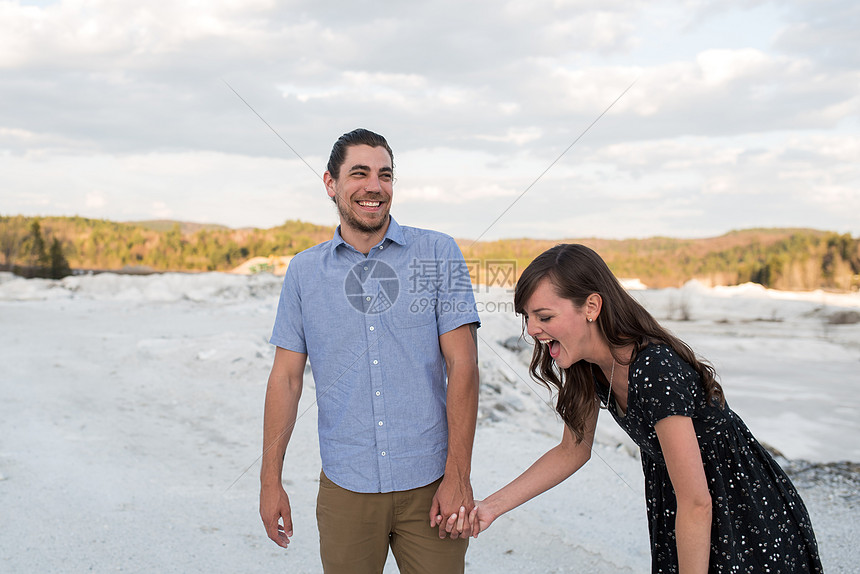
{"points": [[386, 316]]}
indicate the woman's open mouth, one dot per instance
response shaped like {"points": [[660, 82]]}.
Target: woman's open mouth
{"points": [[553, 347]]}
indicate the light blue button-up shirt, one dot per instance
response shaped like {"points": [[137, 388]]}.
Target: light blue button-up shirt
{"points": [[370, 326]]}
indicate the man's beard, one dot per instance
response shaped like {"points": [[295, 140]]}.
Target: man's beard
{"points": [[352, 220]]}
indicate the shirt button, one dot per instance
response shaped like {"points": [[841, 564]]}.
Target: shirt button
{"points": [[378, 393], [367, 298], [382, 453], [375, 362], [365, 268], [380, 423], [372, 327]]}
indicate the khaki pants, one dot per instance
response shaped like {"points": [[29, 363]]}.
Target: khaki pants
{"points": [[356, 530]]}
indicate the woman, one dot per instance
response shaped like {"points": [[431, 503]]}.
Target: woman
{"points": [[716, 500]]}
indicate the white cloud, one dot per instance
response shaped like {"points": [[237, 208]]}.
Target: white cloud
{"points": [[93, 29], [160, 210], [518, 136], [239, 190], [95, 200], [112, 106], [720, 67], [428, 193], [456, 194]]}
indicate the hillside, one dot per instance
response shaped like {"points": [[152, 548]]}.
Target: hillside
{"points": [[782, 258], [155, 245], [185, 227]]}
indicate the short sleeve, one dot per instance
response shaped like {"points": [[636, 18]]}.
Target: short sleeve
{"points": [[666, 384], [456, 306], [288, 332]]}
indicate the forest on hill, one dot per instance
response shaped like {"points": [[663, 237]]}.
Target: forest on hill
{"points": [[779, 258], [790, 259], [97, 244]]}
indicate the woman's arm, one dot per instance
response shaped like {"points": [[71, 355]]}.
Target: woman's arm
{"points": [[693, 518], [549, 470]]}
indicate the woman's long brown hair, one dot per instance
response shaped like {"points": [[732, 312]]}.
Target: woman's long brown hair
{"points": [[576, 272]]}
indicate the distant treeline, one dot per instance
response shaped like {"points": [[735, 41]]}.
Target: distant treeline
{"points": [[791, 259], [99, 244]]}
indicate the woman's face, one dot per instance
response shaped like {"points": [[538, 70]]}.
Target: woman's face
{"points": [[558, 323]]}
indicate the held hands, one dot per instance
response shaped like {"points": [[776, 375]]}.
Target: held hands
{"points": [[453, 499], [276, 514], [480, 519]]}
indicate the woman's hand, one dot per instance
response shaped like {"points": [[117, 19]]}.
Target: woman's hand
{"points": [[480, 517], [455, 524]]}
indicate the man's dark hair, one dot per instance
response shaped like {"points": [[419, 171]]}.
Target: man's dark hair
{"points": [[360, 136]]}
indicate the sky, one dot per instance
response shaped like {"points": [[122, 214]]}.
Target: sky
{"points": [[538, 118]]}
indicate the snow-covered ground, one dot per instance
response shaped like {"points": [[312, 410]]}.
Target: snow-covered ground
{"points": [[131, 409]]}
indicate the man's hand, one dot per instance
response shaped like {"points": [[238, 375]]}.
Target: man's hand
{"points": [[451, 507], [276, 514]]}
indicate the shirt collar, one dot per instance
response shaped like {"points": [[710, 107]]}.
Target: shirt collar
{"points": [[394, 234]]}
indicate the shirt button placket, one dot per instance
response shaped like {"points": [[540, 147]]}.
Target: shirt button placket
{"points": [[376, 382]]}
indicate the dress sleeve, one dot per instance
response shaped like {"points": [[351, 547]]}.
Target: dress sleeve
{"points": [[667, 385]]}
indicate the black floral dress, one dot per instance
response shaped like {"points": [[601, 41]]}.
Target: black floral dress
{"points": [[759, 523]]}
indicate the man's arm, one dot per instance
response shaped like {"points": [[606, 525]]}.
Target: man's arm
{"points": [[460, 349], [279, 418]]}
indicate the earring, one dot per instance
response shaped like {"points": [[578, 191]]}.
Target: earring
{"points": [[590, 320]]}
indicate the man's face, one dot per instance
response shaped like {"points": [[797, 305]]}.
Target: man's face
{"points": [[363, 188]]}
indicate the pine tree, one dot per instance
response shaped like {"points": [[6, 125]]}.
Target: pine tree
{"points": [[10, 241], [59, 264], [35, 252]]}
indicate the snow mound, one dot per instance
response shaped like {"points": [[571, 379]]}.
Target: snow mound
{"points": [[165, 287]]}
